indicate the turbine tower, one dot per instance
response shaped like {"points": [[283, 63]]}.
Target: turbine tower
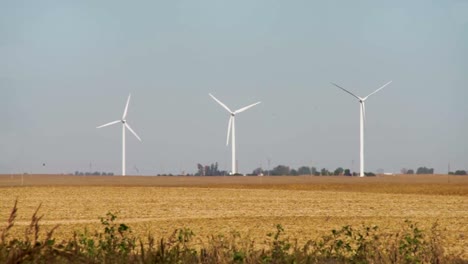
{"points": [[362, 120], [124, 125], [232, 127]]}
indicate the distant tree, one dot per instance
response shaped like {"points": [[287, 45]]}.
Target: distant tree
{"points": [[280, 170], [369, 174], [347, 172], [212, 170], [324, 172], [460, 172], [410, 171], [209, 170], [304, 170], [338, 171], [314, 171], [293, 172], [200, 171], [424, 170], [258, 171]]}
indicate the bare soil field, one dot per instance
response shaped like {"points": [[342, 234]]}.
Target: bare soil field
{"points": [[306, 206]]}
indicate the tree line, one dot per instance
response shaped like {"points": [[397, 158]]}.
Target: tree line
{"points": [[283, 170], [95, 173], [458, 172], [210, 170], [305, 170]]}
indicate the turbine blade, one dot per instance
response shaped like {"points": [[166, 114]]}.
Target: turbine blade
{"points": [[378, 89], [229, 130], [126, 107], [359, 98], [245, 108], [219, 102], [109, 124], [133, 132]]}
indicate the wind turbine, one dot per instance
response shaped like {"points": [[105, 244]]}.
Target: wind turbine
{"points": [[362, 120], [232, 127], [124, 125]]}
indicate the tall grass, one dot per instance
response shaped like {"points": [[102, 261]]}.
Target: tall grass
{"points": [[115, 243]]}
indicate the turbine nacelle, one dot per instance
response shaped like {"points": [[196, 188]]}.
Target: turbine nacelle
{"points": [[363, 99]]}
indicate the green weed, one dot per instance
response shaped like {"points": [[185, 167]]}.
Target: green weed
{"points": [[115, 243]]}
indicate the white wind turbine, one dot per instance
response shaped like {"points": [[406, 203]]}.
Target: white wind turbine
{"points": [[124, 125], [362, 120], [231, 126]]}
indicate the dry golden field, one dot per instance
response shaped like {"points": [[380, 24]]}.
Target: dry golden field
{"points": [[306, 206]]}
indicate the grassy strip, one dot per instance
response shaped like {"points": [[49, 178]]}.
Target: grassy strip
{"points": [[115, 243]]}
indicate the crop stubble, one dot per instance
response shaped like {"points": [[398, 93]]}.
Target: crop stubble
{"points": [[306, 206]]}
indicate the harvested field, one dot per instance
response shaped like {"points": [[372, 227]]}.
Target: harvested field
{"points": [[306, 206]]}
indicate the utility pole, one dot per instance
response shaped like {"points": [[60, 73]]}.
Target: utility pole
{"points": [[269, 161], [448, 173]]}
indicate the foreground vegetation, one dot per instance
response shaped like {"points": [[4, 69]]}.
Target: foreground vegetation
{"points": [[307, 207], [115, 243]]}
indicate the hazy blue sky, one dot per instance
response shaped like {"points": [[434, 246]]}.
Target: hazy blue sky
{"points": [[68, 66]]}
